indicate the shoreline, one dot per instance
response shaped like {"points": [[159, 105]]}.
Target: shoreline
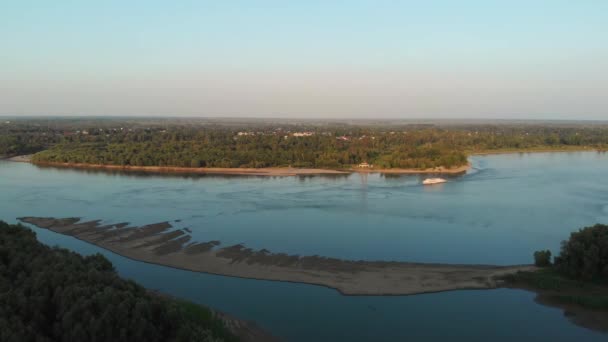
{"points": [[532, 150], [159, 244], [289, 171], [436, 170], [269, 171]]}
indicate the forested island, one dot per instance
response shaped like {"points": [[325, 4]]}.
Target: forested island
{"points": [[52, 294], [261, 144]]}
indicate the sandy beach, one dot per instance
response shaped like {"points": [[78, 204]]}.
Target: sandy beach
{"points": [[161, 244], [21, 159]]}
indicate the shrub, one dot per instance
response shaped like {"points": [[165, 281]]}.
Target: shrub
{"points": [[542, 258]]}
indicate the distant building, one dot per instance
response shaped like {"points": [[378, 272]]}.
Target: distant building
{"points": [[364, 165], [303, 134]]}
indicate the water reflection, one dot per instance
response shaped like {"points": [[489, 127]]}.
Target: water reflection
{"points": [[181, 174], [329, 176]]}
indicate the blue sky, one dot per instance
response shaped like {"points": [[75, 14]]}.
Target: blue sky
{"points": [[533, 59]]}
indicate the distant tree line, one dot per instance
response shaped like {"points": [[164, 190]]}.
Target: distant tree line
{"points": [[52, 294]]}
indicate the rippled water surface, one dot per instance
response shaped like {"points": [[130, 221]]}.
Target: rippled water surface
{"points": [[506, 207]]}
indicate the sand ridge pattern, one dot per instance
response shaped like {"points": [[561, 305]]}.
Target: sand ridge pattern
{"points": [[160, 244]]}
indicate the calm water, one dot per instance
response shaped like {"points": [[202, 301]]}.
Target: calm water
{"points": [[500, 212]]}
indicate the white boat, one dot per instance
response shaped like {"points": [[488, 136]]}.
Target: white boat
{"points": [[431, 181]]}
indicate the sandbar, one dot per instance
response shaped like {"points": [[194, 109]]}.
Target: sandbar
{"points": [[162, 244]]}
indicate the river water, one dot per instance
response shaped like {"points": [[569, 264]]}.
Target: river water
{"points": [[500, 212]]}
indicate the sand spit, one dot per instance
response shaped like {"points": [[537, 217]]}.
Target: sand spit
{"points": [[21, 159], [161, 244]]}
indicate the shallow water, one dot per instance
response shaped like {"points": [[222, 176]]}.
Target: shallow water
{"points": [[506, 207]]}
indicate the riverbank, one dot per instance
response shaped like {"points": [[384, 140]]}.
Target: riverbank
{"points": [[160, 244], [274, 171], [269, 171]]}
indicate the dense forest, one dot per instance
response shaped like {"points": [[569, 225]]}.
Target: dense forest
{"points": [[25, 142], [225, 149], [52, 294], [267, 144], [583, 256]]}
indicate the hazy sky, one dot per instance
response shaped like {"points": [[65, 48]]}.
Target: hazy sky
{"points": [[359, 59]]}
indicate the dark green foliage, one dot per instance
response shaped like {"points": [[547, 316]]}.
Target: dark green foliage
{"points": [[23, 143], [220, 148], [585, 254], [52, 294], [542, 258]]}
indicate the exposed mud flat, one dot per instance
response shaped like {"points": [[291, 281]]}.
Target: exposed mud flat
{"points": [[160, 244]]}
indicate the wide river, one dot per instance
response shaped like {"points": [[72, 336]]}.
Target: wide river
{"points": [[500, 212]]}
